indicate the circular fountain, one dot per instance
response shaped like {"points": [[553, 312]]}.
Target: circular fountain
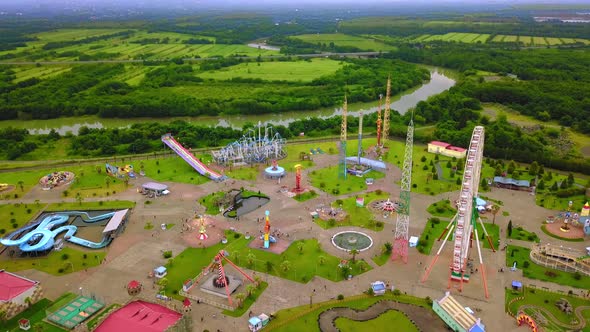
{"points": [[349, 240], [275, 171]]}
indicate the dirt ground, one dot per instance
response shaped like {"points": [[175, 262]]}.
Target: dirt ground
{"points": [[135, 252]]}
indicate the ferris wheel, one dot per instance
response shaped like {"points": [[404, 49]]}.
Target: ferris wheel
{"points": [[464, 222]]}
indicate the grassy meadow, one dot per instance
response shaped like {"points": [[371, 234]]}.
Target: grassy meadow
{"points": [[339, 39], [304, 71], [466, 37]]}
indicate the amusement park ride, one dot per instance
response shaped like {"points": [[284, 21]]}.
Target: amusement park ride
{"points": [[252, 148], [342, 171], [464, 222]]}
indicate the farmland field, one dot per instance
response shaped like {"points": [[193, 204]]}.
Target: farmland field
{"points": [[510, 38], [340, 39], [27, 72], [527, 40], [553, 41], [277, 71], [74, 34], [539, 41], [498, 38]]}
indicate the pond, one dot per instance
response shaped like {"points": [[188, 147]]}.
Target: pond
{"points": [[246, 205], [439, 82]]}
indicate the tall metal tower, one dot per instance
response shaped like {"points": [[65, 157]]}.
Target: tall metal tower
{"points": [[387, 111], [379, 123], [464, 222], [360, 147], [400, 244], [342, 158]]}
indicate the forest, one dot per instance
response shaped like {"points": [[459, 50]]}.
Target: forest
{"points": [[90, 89]]}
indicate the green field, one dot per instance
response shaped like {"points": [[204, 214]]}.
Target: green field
{"points": [[54, 263], [339, 39], [483, 38], [327, 180], [522, 234], [442, 208], [381, 323], [13, 216], [303, 71]]}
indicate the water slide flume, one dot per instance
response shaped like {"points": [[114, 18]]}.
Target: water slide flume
{"points": [[41, 235], [191, 159]]}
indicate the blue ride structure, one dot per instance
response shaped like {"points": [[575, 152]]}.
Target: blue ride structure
{"points": [[40, 235]]}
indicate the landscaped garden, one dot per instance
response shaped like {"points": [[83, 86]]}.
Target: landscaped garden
{"points": [[435, 227], [442, 208], [305, 317], [522, 234], [57, 263], [546, 301], [13, 216], [300, 262], [36, 313], [382, 323], [356, 215], [326, 179], [521, 256]]}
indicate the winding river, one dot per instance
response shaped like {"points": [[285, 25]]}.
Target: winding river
{"points": [[439, 82]]}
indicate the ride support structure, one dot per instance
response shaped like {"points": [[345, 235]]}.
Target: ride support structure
{"points": [[464, 222], [402, 224], [387, 111], [342, 171], [379, 122]]}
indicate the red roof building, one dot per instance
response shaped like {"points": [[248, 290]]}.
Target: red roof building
{"points": [[446, 149], [12, 287], [140, 316]]}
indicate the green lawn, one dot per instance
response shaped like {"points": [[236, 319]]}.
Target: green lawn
{"points": [[99, 205], [35, 314], [303, 265], [304, 318], [53, 263], [306, 196], [339, 39], [174, 169], [29, 180], [13, 216], [326, 179], [442, 208], [302, 71], [356, 216], [209, 202], [524, 235], [381, 259], [382, 323], [248, 301], [435, 228], [546, 300], [520, 255]]}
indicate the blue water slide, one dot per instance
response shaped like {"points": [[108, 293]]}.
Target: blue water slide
{"points": [[88, 219]]}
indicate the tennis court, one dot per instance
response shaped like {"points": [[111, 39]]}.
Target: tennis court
{"points": [[75, 312]]}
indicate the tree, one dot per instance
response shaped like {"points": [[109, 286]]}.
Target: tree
{"points": [[21, 185], [541, 185], [498, 170], [79, 198], [510, 228], [300, 247], [250, 258], [541, 170], [511, 167], [240, 297], [554, 187], [449, 164], [163, 283], [563, 184], [107, 182], [495, 210], [322, 259], [570, 179], [257, 281], [250, 288], [353, 253], [28, 301], [285, 266], [534, 168]]}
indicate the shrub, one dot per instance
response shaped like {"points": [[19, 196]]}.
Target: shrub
{"points": [[379, 192], [340, 297], [167, 254], [29, 211], [379, 224], [397, 292], [268, 266], [577, 275], [370, 291], [84, 256], [526, 264], [237, 236], [2, 231], [332, 222], [551, 274], [60, 270], [65, 257]]}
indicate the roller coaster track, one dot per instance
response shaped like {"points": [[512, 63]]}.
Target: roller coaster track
{"points": [[554, 320], [561, 259]]}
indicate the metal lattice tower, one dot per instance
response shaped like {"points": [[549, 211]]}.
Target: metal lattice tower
{"points": [[342, 158], [360, 145], [400, 242], [387, 111], [379, 123]]}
